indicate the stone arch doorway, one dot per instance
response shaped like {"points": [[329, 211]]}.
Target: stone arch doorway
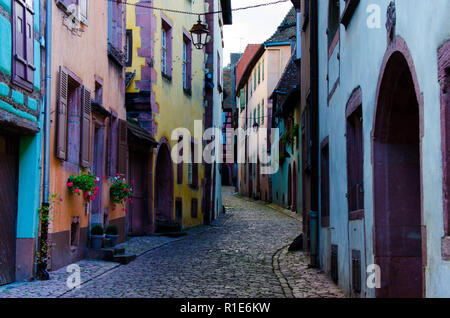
{"points": [[163, 183], [397, 177]]}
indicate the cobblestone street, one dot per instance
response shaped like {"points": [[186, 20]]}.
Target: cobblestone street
{"points": [[244, 255]]}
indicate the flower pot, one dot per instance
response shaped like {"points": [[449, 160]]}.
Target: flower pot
{"points": [[113, 239], [96, 241]]}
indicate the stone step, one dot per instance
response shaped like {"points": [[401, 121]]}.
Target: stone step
{"points": [[119, 250], [124, 258]]}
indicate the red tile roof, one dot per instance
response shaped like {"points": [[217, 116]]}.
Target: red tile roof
{"points": [[245, 59]]}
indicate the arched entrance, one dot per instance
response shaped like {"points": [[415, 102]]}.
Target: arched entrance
{"points": [[397, 177], [163, 183]]}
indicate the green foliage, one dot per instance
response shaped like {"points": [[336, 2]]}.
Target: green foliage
{"points": [[83, 182], [45, 217], [97, 230], [120, 191], [112, 230]]}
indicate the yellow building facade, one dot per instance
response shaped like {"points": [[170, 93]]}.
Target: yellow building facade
{"points": [[165, 91]]}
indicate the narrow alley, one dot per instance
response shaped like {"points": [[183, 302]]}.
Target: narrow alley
{"points": [[243, 255]]}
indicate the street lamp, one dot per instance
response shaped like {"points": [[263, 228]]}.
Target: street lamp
{"points": [[199, 34]]}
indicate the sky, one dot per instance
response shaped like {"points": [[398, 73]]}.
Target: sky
{"points": [[252, 26]]}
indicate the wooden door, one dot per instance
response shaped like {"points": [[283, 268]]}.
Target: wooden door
{"points": [[9, 159], [138, 214]]}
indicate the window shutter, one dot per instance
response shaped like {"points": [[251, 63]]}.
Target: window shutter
{"points": [[123, 148], [112, 145], [61, 131], [30, 45], [85, 127]]}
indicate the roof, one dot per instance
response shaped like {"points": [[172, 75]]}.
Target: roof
{"points": [[245, 59], [286, 30], [137, 131], [283, 34]]}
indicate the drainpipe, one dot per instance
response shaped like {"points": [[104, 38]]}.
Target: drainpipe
{"points": [[41, 270], [314, 70]]}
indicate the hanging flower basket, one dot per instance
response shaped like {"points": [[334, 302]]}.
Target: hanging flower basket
{"points": [[85, 182], [121, 192]]}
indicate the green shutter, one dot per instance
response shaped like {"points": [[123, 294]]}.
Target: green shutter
{"points": [[242, 98]]}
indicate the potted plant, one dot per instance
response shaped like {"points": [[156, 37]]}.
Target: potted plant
{"points": [[97, 236], [112, 233]]}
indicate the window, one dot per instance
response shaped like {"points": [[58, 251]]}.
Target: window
{"points": [[259, 73], [254, 117], [242, 98], [23, 44], [219, 72], [73, 120], [187, 64], [333, 21], [193, 168], [355, 159], [251, 87], [262, 112], [116, 31], [325, 184], [79, 8], [181, 163], [164, 52], [444, 80], [254, 80], [259, 114], [98, 95], [263, 69], [129, 48], [166, 49], [112, 144]]}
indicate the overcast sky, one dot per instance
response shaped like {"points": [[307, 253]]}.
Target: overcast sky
{"points": [[252, 26]]}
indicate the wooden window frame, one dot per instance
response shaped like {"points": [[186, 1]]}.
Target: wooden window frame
{"points": [[26, 82], [166, 48], [354, 106], [129, 48]]}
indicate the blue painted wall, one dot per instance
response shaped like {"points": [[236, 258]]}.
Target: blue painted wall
{"points": [[361, 55]]}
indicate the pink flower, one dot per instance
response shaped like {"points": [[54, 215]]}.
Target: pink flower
{"points": [[103, 177], [128, 190], [117, 174], [70, 184], [126, 210], [86, 195], [92, 198], [96, 192], [131, 201], [96, 188], [132, 181], [124, 189], [77, 190]]}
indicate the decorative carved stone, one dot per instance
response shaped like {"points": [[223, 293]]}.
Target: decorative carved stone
{"points": [[391, 20]]}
